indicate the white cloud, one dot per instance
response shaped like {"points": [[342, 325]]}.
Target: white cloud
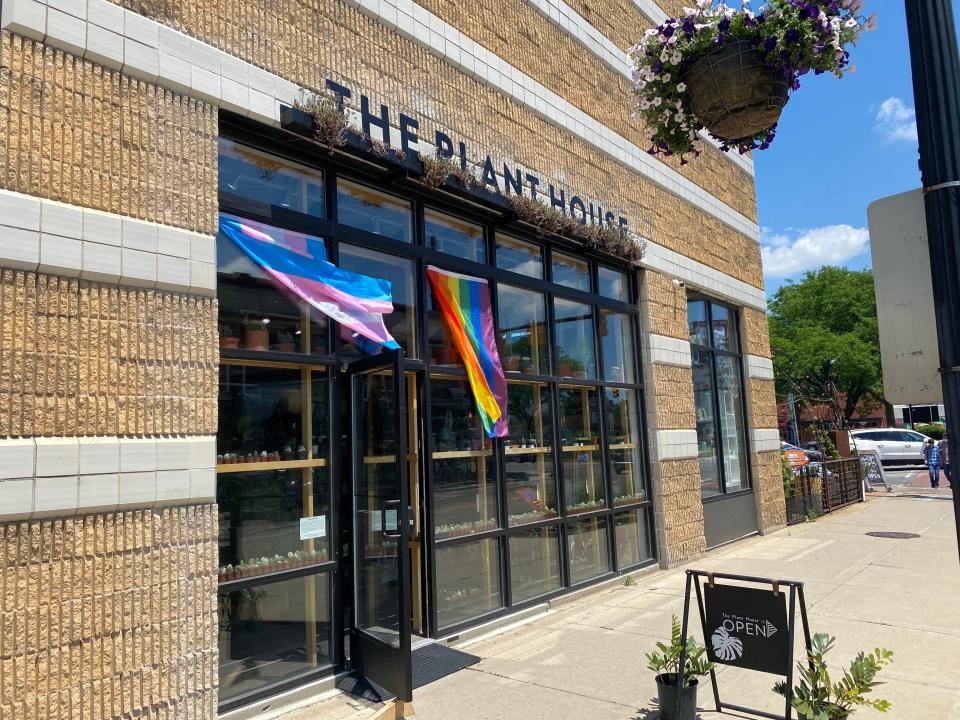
{"points": [[896, 120], [786, 255]]}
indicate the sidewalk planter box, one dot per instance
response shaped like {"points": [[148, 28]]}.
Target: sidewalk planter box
{"points": [[667, 692]]}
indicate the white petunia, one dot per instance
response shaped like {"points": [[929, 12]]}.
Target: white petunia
{"points": [[656, 101], [676, 58], [681, 87]]}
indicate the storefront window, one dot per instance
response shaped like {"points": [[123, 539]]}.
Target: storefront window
{"points": [[632, 537], [616, 345], [530, 480], [571, 272], [468, 580], [255, 316], [464, 477], [261, 182], [613, 284], [376, 212], [534, 562], [272, 633], [402, 322], [721, 428], [587, 548], [573, 330], [580, 439], [453, 236], [522, 331], [623, 446], [519, 256]]}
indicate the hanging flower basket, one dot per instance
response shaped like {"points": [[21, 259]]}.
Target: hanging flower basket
{"points": [[734, 92], [730, 70]]}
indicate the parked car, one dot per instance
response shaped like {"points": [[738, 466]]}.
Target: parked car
{"points": [[794, 455], [813, 451], [894, 445]]}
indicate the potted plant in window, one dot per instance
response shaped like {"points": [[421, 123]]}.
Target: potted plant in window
{"points": [[671, 689], [256, 336], [227, 338], [286, 342], [818, 697]]}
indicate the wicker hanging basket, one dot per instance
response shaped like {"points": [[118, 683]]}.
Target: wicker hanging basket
{"points": [[733, 92]]}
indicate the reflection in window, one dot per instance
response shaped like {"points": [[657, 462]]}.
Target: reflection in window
{"points": [[402, 322], [376, 212], [613, 284], [616, 345], [632, 537], [440, 346], [571, 272], [519, 256], [259, 182], [451, 235], [698, 323], [522, 330], [260, 516], [623, 446], [580, 440], [587, 548], [573, 330], [261, 414], [468, 580], [706, 427], [255, 315], [530, 480], [723, 337], [273, 633], [732, 430], [464, 479], [534, 562]]}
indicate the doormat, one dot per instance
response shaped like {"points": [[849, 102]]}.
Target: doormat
{"points": [[434, 661]]}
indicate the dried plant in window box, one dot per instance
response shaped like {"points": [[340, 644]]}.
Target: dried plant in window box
{"points": [[438, 168], [329, 124]]}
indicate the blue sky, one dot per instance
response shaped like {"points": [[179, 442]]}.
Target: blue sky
{"points": [[841, 145]]}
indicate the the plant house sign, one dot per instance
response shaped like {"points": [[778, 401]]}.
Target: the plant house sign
{"points": [[747, 627]]}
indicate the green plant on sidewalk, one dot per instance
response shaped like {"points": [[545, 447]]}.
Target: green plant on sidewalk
{"points": [[818, 697], [667, 660]]}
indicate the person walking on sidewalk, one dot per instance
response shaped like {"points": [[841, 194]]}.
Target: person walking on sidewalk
{"points": [[931, 456], [944, 447]]}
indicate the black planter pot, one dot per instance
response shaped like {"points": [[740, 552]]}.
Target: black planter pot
{"points": [[667, 692], [733, 92]]}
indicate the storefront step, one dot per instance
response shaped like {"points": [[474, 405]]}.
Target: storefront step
{"points": [[318, 700]]}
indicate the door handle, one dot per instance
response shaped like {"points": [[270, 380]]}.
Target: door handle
{"points": [[385, 516]]}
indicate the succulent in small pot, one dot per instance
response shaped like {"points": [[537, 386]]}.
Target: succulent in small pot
{"points": [[256, 336], [817, 697], [286, 342], [678, 699], [227, 338]]}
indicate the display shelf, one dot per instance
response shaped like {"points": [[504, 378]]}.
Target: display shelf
{"points": [[459, 454], [580, 448], [270, 466], [622, 446], [527, 451], [240, 583]]}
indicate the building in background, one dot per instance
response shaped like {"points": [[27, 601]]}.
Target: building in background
{"points": [[204, 484]]}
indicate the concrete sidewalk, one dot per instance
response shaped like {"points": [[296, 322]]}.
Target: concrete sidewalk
{"points": [[585, 658]]}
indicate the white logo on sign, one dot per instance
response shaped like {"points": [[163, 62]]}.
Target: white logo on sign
{"points": [[771, 629], [727, 647]]}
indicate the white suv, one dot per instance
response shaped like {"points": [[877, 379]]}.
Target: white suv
{"points": [[893, 444]]}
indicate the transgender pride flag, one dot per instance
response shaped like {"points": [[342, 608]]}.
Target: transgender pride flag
{"points": [[299, 263]]}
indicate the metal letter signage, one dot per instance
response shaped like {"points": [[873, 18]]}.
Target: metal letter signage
{"points": [[747, 627]]}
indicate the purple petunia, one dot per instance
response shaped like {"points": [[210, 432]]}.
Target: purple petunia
{"points": [[723, 25], [770, 43], [791, 35]]}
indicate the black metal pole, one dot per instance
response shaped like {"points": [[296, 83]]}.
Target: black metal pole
{"points": [[936, 89]]}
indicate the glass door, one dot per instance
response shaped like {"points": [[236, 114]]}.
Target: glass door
{"points": [[380, 635]]}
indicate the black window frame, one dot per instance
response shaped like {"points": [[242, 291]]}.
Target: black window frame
{"points": [[733, 313]]}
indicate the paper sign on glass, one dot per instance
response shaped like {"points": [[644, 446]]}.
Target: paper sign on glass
{"points": [[313, 527]]}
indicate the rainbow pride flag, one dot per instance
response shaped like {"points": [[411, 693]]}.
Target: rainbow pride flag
{"points": [[298, 263], [465, 304]]}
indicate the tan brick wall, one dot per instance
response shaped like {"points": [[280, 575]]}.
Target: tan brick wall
{"points": [[680, 510], [619, 20], [755, 332], [673, 387], [74, 131], [561, 63], [307, 43], [768, 482], [109, 616], [663, 306], [82, 358], [762, 401]]}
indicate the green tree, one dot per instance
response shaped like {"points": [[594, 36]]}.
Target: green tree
{"points": [[825, 342]]}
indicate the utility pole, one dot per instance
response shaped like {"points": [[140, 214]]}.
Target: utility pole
{"points": [[936, 90]]}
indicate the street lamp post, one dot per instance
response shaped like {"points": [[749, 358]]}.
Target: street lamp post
{"points": [[936, 89]]}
